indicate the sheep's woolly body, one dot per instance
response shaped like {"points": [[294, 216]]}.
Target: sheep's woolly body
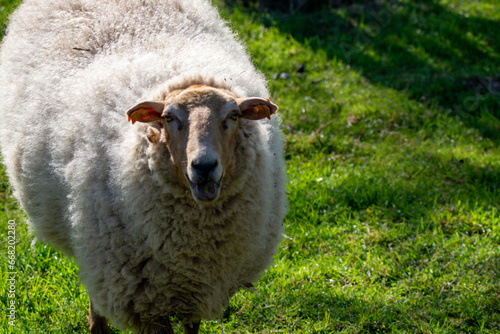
{"points": [[93, 185]]}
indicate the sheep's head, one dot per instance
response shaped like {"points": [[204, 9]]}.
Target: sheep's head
{"points": [[200, 124]]}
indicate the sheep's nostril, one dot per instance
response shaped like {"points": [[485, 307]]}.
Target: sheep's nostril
{"points": [[204, 179], [204, 168]]}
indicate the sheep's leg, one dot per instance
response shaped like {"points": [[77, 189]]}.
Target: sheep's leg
{"points": [[191, 328], [97, 324], [161, 326]]}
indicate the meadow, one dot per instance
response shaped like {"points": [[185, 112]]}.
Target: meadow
{"points": [[391, 119]]}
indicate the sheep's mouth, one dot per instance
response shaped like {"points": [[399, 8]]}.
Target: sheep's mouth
{"points": [[205, 192]]}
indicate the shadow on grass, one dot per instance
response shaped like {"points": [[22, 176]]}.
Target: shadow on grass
{"points": [[422, 48]]}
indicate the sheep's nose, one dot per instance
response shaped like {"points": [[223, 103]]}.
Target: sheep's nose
{"points": [[204, 168]]}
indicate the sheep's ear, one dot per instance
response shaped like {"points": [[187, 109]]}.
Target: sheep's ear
{"points": [[256, 108], [146, 112]]}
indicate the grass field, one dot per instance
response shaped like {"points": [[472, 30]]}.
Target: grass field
{"points": [[392, 131]]}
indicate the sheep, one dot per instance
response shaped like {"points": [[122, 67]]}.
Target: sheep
{"points": [[138, 138]]}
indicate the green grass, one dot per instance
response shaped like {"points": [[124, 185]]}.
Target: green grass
{"points": [[392, 146]]}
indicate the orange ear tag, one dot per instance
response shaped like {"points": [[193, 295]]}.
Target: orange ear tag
{"points": [[257, 112], [262, 110], [143, 115]]}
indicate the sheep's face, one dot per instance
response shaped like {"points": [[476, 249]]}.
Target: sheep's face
{"points": [[199, 125]]}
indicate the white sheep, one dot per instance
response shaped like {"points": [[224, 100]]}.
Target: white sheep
{"points": [[167, 217]]}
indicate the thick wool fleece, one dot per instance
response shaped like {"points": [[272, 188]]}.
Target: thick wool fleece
{"points": [[95, 187]]}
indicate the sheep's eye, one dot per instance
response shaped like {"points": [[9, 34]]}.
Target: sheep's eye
{"points": [[169, 118], [235, 115]]}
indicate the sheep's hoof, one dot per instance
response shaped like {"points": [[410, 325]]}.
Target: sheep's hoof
{"points": [[191, 328], [97, 324]]}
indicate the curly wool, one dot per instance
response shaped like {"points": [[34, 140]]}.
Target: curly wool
{"points": [[93, 186]]}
